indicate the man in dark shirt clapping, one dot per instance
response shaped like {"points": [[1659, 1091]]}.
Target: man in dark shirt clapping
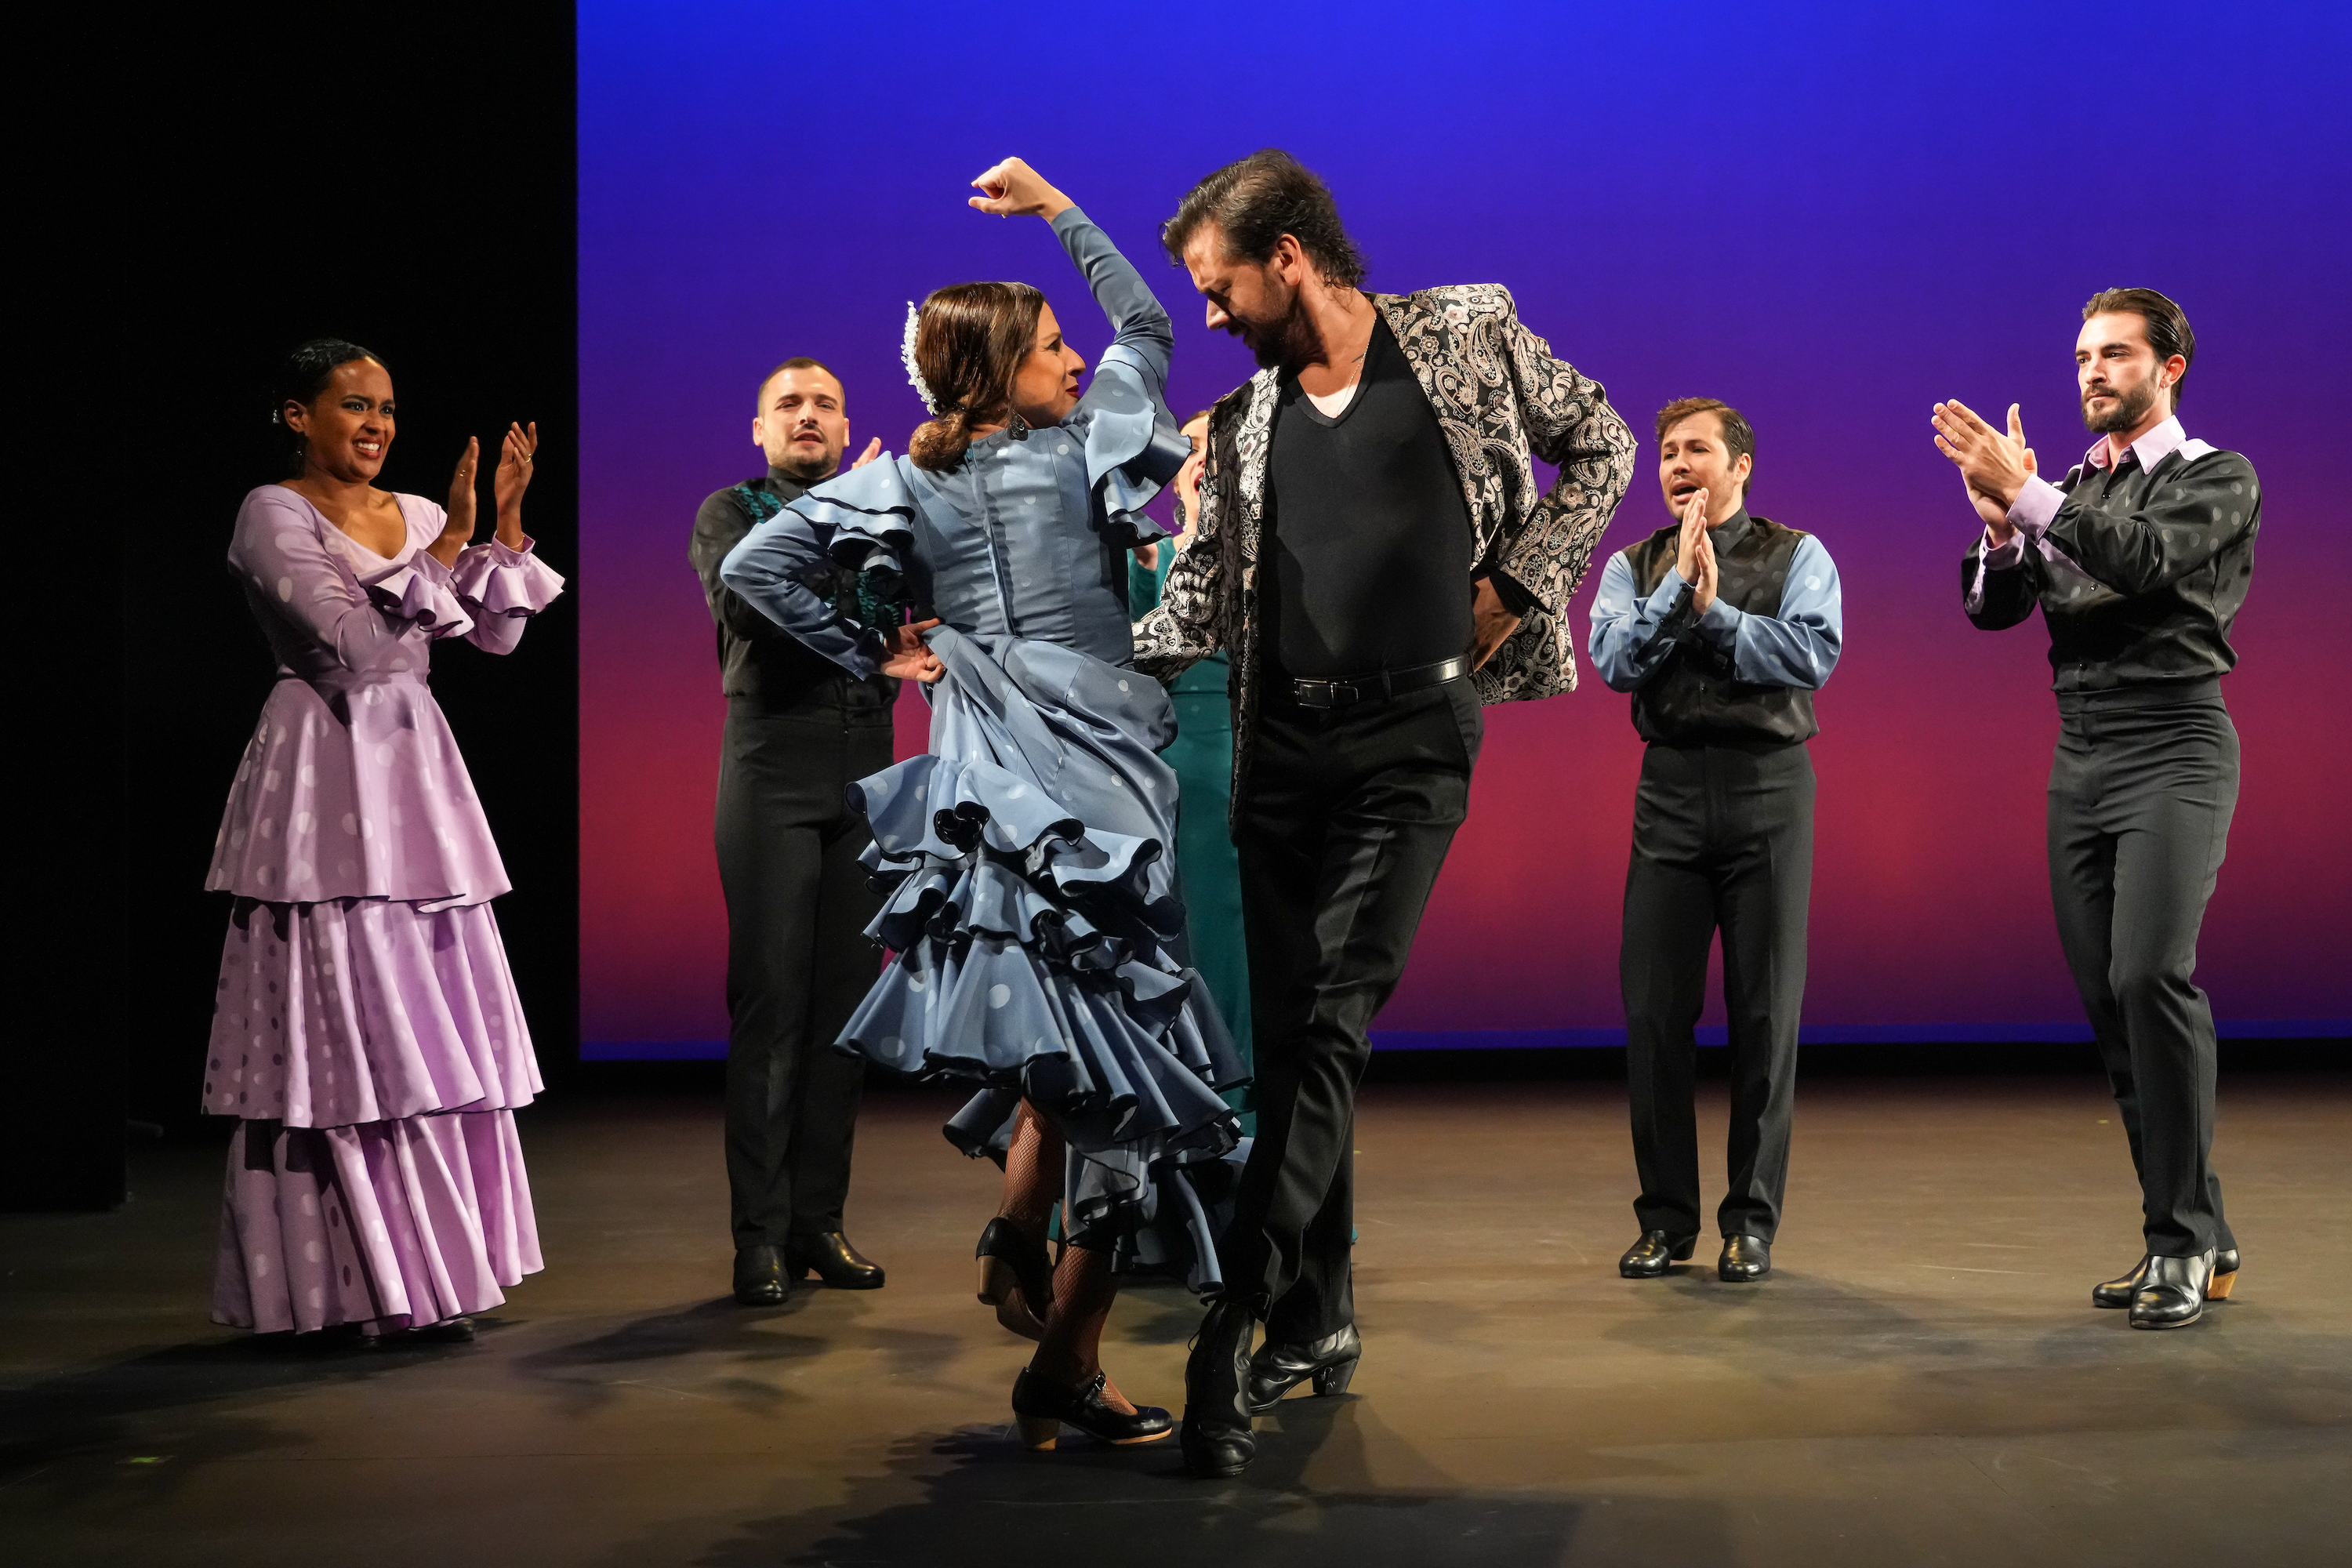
{"points": [[799, 731], [2139, 559]]}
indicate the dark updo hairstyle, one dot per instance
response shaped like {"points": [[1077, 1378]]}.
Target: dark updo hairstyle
{"points": [[968, 340], [302, 378]]}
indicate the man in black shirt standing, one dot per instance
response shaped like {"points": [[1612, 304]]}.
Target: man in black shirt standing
{"points": [[799, 731], [2140, 560], [1374, 556]]}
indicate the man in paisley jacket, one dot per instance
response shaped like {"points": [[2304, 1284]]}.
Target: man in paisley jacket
{"points": [[1375, 559]]}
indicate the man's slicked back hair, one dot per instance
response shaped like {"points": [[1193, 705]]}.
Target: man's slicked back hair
{"points": [[1259, 199]]}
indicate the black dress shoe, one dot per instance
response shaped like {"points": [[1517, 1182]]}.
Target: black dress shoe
{"points": [[1275, 1370], [759, 1276], [832, 1259], [1216, 1438], [2172, 1294], [2119, 1292], [1647, 1259], [1746, 1259], [1014, 1278], [1044, 1407]]}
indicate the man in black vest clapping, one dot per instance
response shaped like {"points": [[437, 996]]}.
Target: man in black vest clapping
{"points": [[1722, 625]]}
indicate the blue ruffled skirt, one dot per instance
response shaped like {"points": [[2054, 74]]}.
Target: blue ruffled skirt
{"points": [[1029, 900]]}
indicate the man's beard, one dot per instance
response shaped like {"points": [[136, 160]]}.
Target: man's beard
{"points": [[807, 467], [2130, 408], [1289, 341]]}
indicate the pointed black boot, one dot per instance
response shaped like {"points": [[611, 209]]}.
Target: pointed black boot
{"points": [[1648, 1257], [1275, 1370], [2172, 1296], [2119, 1292], [832, 1259], [1216, 1436], [1745, 1260], [759, 1276]]}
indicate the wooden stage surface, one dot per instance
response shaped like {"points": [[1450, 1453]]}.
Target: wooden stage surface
{"points": [[1921, 1380]]}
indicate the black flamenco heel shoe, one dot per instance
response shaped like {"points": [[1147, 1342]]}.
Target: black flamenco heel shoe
{"points": [[1011, 1262], [1043, 1407], [2119, 1292], [2173, 1294], [1276, 1369]]}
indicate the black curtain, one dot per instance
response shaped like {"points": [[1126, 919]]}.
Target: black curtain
{"points": [[405, 183]]}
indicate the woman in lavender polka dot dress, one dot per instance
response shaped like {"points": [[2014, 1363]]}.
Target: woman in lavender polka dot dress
{"points": [[366, 1030]]}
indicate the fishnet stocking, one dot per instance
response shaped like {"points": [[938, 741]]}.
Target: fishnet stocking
{"points": [[1033, 1173], [1071, 1351]]}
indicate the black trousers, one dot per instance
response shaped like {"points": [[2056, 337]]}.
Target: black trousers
{"points": [[1345, 819], [798, 961], [1723, 840], [2141, 792]]}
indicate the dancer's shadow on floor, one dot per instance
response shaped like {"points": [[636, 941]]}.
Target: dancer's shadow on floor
{"points": [[98, 1411], [735, 1348], [1331, 1484]]}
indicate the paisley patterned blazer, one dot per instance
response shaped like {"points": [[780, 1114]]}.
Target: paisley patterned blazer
{"points": [[1499, 396]]}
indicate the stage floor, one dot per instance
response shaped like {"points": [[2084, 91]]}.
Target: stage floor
{"points": [[1921, 1380]]}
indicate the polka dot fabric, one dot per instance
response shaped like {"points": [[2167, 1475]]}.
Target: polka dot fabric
{"points": [[389, 1224], [351, 785], [365, 1026], [364, 1010]]}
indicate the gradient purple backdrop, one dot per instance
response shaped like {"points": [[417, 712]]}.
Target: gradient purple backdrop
{"points": [[1830, 220]]}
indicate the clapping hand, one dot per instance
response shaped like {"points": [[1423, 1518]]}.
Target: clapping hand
{"points": [[513, 477], [1013, 186], [873, 451], [909, 658], [457, 527], [1993, 467], [1695, 554]]}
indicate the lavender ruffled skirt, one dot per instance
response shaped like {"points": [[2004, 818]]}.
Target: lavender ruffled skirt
{"points": [[376, 1052]]}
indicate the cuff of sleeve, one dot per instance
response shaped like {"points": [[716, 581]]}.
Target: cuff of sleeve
{"points": [[1720, 624], [2001, 557], [1672, 597], [2035, 505], [1515, 599], [498, 581], [421, 594], [1070, 217]]}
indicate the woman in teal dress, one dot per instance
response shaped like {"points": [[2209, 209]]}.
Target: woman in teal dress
{"points": [[1208, 871]]}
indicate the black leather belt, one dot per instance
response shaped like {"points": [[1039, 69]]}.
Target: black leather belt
{"points": [[1380, 683]]}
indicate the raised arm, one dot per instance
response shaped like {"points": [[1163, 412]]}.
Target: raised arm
{"points": [[1138, 324]]}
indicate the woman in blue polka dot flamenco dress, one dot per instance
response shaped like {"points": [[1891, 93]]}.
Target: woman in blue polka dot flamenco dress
{"points": [[366, 1031], [1028, 859]]}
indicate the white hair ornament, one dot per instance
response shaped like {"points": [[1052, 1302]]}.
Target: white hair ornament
{"points": [[907, 355]]}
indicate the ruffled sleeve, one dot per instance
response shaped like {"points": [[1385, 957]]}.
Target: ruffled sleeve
{"points": [[861, 521], [503, 588], [281, 548], [421, 591], [1132, 444]]}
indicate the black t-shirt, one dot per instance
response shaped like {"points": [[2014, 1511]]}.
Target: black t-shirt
{"points": [[1367, 534]]}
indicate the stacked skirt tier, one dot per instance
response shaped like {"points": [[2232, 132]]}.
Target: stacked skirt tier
{"points": [[1029, 902], [366, 1030]]}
